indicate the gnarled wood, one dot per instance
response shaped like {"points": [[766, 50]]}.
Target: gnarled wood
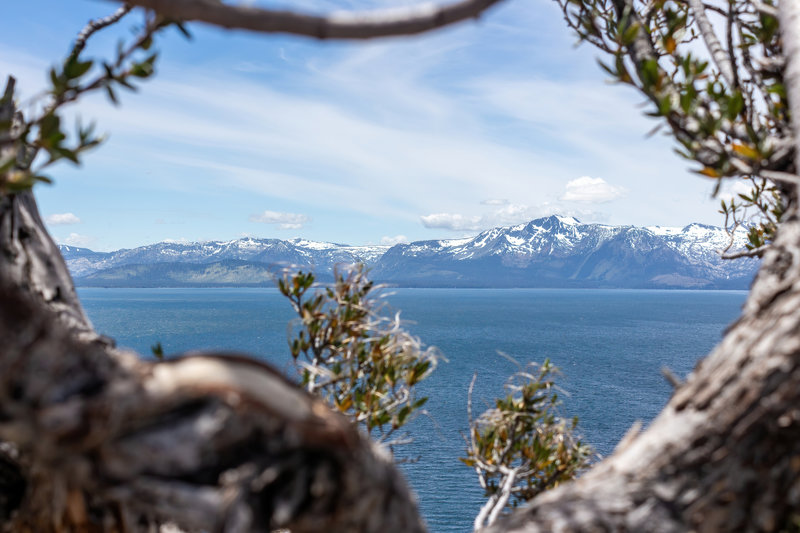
{"points": [[208, 442], [30, 260], [724, 455]]}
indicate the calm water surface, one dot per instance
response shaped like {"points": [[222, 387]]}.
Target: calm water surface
{"points": [[609, 344]]}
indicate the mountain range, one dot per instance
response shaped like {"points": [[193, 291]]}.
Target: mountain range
{"points": [[553, 252]]}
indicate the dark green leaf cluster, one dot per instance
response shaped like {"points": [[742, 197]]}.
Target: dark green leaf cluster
{"points": [[362, 362], [713, 73]]}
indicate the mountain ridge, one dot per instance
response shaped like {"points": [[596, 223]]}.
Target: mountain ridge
{"points": [[554, 252]]}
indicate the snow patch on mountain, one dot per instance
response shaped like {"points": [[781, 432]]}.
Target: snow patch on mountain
{"points": [[552, 251]]}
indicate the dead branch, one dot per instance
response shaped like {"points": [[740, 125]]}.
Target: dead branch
{"points": [[355, 25]]}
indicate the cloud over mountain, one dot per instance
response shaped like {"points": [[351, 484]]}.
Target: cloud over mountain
{"points": [[591, 191], [282, 220]]}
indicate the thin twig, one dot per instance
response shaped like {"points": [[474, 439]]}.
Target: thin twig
{"points": [[782, 177], [755, 252], [93, 27]]}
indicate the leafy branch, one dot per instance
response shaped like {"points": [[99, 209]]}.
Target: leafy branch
{"points": [[362, 362], [725, 106], [30, 145], [522, 447]]}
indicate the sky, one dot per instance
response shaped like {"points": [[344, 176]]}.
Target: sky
{"points": [[488, 123]]}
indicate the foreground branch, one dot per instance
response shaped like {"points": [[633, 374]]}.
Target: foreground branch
{"points": [[355, 25], [724, 454], [207, 442]]}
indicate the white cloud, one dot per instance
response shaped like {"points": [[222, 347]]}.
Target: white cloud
{"points": [[282, 220], [397, 239], [505, 214], [62, 219], [732, 188], [452, 221], [495, 201], [76, 239], [591, 191]]}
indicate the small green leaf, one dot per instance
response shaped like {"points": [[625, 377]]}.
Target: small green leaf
{"points": [[75, 69], [111, 95], [158, 351]]}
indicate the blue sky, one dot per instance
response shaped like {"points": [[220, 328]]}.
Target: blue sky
{"points": [[488, 123]]}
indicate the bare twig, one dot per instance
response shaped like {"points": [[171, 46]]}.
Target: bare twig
{"points": [[368, 25], [755, 252], [671, 378], [765, 9], [94, 26], [502, 500]]}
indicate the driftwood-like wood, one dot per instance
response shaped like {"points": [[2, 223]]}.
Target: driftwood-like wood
{"points": [[31, 261], [210, 442]]}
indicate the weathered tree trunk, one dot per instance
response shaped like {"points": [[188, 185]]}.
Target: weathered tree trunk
{"points": [[724, 455], [31, 261], [95, 439], [108, 442]]}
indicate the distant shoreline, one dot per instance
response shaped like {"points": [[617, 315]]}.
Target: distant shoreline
{"points": [[392, 286]]}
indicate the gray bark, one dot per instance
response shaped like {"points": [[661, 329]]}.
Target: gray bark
{"points": [[210, 442], [98, 440], [31, 261], [724, 455]]}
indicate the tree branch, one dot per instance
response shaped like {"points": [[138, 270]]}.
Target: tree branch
{"points": [[755, 252], [211, 442], [356, 25], [789, 16], [95, 26], [714, 47]]}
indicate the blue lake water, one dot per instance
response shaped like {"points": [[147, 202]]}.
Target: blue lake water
{"points": [[609, 344]]}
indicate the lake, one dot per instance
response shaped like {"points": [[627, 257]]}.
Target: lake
{"points": [[609, 344]]}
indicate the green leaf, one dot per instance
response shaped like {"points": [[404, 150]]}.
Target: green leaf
{"points": [[67, 154], [111, 95], [158, 351], [75, 69], [735, 105], [649, 73]]}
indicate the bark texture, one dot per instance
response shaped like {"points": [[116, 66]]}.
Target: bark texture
{"points": [[92, 439], [31, 261], [208, 442], [724, 455]]}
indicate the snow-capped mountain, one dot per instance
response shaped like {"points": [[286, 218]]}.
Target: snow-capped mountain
{"points": [[322, 256], [549, 252], [562, 252]]}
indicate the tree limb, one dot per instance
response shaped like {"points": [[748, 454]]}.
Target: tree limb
{"points": [[714, 47], [719, 456], [356, 25], [210, 442], [789, 16]]}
